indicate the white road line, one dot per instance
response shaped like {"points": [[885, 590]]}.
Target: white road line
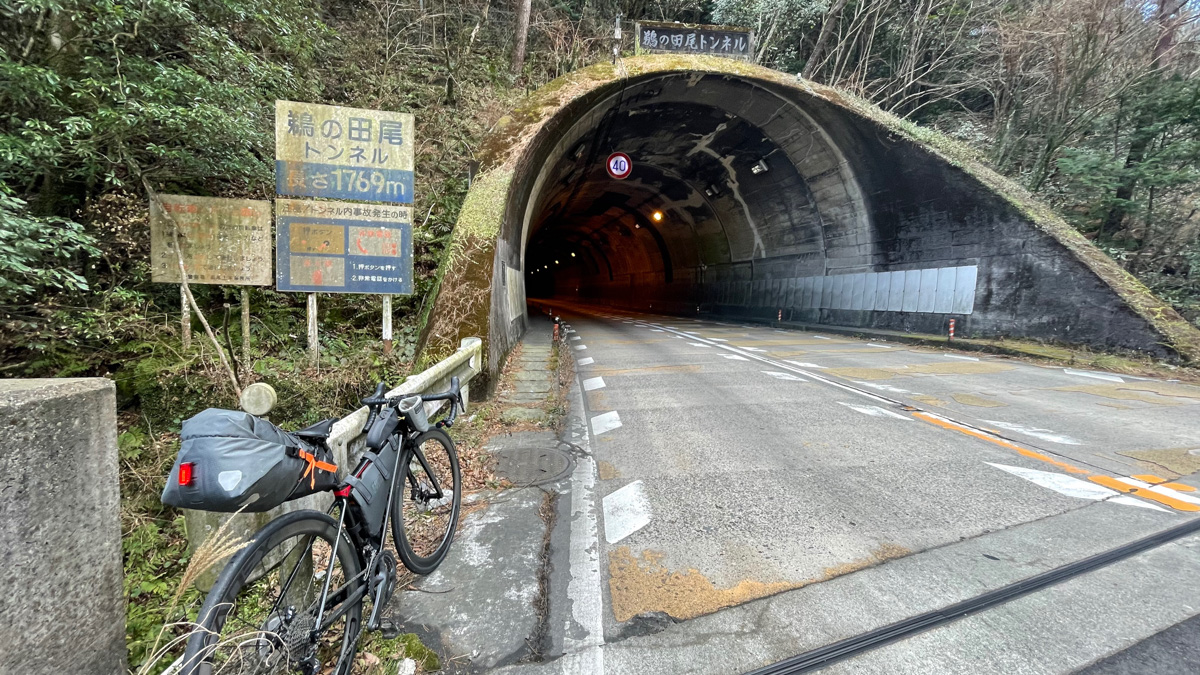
{"points": [[652, 330], [1043, 434], [605, 422], [593, 383], [681, 337], [718, 339], [1060, 483], [822, 337], [1130, 501], [805, 365], [753, 349], [957, 356], [881, 387], [573, 337], [697, 344], [1166, 491], [872, 344], [580, 348], [1092, 374], [783, 376], [735, 357], [626, 511], [586, 361], [584, 627], [875, 411]]}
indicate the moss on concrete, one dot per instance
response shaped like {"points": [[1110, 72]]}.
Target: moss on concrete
{"points": [[514, 134]]}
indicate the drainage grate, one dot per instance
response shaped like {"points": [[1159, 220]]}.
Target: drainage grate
{"points": [[533, 466]]}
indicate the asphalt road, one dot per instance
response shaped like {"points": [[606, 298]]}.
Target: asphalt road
{"points": [[733, 462]]}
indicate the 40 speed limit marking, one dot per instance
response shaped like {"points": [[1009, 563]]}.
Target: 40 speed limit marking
{"points": [[619, 165]]}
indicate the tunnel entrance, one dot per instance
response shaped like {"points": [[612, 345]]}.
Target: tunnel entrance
{"points": [[726, 178], [757, 195]]}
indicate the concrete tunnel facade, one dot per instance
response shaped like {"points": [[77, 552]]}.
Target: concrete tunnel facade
{"points": [[756, 195]]}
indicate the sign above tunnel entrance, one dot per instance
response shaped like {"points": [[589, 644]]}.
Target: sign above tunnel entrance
{"points": [[619, 165], [683, 38], [343, 153]]}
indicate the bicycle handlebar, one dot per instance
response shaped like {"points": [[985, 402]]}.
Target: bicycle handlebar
{"points": [[378, 399]]}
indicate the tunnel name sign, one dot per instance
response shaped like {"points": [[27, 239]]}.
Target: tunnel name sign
{"points": [[681, 38], [224, 241], [343, 153], [337, 247]]}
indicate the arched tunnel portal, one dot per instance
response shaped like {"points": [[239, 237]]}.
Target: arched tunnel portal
{"points": [[756, 195]]}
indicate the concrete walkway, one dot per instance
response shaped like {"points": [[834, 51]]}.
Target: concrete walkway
{"points": [[532, 375]]}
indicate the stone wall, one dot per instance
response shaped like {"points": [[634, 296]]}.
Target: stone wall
{"points": [[61, 597]]}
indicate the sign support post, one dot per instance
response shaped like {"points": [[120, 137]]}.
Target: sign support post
{"points": [[185, 325], [387, 324], [314, 347], [246, 328]]}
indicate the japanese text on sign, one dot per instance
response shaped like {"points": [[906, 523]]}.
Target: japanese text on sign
{"points": [[343, 248], [224, 241], [688, 39], [343, 153]]}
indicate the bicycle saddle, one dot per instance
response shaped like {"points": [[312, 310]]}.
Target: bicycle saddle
{"points": [[318, 431]]}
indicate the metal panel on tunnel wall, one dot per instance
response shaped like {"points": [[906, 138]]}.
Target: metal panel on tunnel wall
{"points": [[944, 299], [964, 289]]}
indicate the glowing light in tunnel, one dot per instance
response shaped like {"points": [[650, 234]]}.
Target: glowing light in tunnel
{"points": [[657, 216]]}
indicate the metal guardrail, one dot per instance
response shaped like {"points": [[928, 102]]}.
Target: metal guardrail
{"points": [[347, 440]]}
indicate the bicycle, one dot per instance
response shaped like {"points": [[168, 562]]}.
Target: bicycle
{"points": [[291, 601]]}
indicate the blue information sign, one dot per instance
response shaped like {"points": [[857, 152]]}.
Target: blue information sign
{"points": [[343, 255]]}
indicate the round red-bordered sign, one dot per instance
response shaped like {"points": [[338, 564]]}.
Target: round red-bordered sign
{"points": [[619, 165]]}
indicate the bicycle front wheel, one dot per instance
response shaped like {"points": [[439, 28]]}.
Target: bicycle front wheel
{"points": [[425, 512], [261, 615]]}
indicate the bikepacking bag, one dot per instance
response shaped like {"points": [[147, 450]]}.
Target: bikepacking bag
{"points": [[230, 459]]}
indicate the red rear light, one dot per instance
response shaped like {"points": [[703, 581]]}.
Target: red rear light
{"points": [[185, 473]]}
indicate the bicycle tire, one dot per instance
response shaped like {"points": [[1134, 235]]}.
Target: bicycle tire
{"points": [[416, 523], [205, 644]]}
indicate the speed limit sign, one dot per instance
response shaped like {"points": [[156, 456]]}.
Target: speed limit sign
{"points": [[619, 166]]}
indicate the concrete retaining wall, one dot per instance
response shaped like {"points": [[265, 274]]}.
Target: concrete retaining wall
{"points": [[62, 608]]}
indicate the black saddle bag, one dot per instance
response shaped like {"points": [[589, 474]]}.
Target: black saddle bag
{"points": [[230, 460]]}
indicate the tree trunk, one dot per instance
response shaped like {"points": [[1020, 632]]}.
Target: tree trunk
{"points": [[831, 19], [518, 57], [1168, 24]]}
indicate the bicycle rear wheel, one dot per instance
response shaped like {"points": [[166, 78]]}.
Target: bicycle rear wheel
{"points": [[425, 512], [260, 616]]}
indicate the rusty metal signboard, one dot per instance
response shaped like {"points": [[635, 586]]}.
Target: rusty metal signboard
{"points": [[224, 241], [343, 153], [682, 38], [337, 247]]}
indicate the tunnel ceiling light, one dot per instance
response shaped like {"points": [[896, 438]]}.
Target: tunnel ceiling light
{"points": [[556, 262], [572, 254], [657, 216], [759, 167]]}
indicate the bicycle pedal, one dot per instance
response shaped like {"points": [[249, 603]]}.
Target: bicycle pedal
{"points": [[389, 629]]}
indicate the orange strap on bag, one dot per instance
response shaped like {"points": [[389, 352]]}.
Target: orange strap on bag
{"points": [[313, 463]]}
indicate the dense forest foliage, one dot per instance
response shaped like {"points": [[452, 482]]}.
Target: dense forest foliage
{"points": [[1094, 105]]}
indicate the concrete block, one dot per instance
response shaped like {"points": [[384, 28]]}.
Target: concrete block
{"points": [[60, 531]]}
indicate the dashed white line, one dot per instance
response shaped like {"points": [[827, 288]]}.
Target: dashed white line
{"points": [[580, 348], [872, 344], [753, 349], [1036, 432], [626, 511], [697, 344], [593, 383], [822, 337], [1092, 374], [586, 361], [605, 422], [805, 365], [881, 387], [875, 411], [735, 357], [575, 337], [784, 376], [958, 356]]}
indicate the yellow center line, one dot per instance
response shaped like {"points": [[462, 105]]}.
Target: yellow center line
{"points": [[1121, 486], [946, 424]]}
